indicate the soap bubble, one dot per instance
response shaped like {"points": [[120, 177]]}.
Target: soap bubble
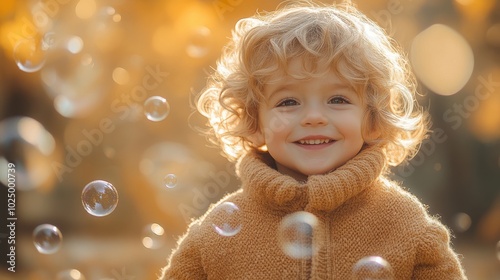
{"points": [[170, 181], [227, 219], [295, 235], [156, 108], [153, 236], [29, 55], [47, 238], [99, 198], [372, 268], [70, 274]]}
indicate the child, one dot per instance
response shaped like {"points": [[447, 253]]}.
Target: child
{"points": [[314, 103]]}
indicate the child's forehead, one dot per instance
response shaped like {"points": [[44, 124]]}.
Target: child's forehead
{"points": [[297, 69]]}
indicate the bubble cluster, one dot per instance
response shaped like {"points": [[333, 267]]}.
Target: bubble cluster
{"points": [[47, 238], [372, 268], [99, 198], [295, 234], [228, 219], [156, 108]]}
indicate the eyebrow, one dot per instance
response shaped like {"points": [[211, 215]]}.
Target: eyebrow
{"points": [[292, 84]]}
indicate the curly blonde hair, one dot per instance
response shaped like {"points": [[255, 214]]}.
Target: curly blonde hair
{"points": [[338, 36]]}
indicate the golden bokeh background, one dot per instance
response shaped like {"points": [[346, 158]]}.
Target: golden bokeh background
{"points": [[74, 76]]}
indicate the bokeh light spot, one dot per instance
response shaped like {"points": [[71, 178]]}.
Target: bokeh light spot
{"points": [[70, 274], [462, 222], [198, 44], [442, 59], [85, 8], [75, 45], [121, 76], [153, 236]]}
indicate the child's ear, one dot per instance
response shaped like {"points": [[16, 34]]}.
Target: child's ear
{"points": [[372, 134], [257, 139]]}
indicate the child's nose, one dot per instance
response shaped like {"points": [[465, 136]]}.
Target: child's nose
{"points": [[314, 116]]}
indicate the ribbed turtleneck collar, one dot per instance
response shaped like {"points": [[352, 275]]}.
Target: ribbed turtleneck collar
{"points": [[321, 192]]}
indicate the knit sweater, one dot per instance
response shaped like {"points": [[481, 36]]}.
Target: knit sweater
{"points": [[359, 214]]}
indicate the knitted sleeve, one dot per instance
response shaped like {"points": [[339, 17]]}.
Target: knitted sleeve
{"points": [[435, 258], [185, 261]]}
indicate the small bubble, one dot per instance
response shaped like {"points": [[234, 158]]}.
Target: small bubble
{"points": [[295, 235], [153, 236], [99, 198], [47, 238], [170, 181], [29, 56], [228, 220], [156, 108], [371, 268]]}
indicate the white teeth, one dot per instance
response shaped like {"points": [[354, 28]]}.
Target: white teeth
{"points": [[314, 141]]}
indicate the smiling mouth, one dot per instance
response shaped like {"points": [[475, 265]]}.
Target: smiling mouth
{"points": [[314, 141]]}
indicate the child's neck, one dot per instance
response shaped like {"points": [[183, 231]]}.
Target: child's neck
{"points": [[292, 173]]}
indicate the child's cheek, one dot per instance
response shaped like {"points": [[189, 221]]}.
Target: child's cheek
{"points": [[276, 123]]}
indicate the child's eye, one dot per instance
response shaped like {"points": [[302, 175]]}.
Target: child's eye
{"points": [[287, 102], [338, 100]]}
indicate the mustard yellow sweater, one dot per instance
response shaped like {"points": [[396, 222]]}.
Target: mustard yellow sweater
{"points": [[360, 214]]}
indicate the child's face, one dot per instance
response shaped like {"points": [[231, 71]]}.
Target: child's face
{"points": [[310, 126]]}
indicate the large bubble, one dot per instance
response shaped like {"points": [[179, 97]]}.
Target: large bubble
{"points": [[228, 219], [372, 268], [99, 198], [295, 234]]}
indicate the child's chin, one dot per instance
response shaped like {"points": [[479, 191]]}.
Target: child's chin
{"points": [[319, 172]]}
